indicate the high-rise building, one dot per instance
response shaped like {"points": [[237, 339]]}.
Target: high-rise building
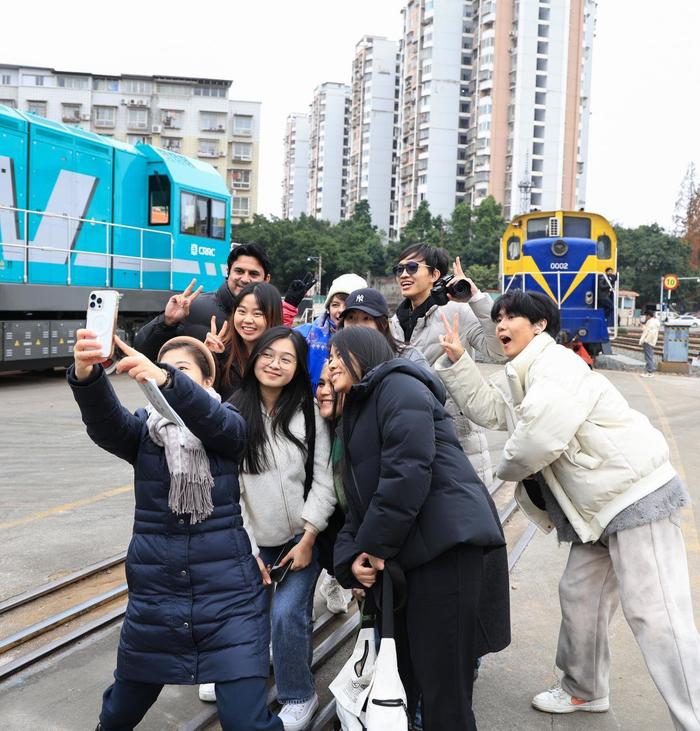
{"points": [[528, 140], [187, 115], [296, 166], [434, 104], [494, 100], [329, 151], [374, 131]]}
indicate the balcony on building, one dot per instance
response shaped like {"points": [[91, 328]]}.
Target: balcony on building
{"points": [[212, 121], [172, 144], [240, 180], [208, 148], [104, 117], [72, 114], [171, 118]]}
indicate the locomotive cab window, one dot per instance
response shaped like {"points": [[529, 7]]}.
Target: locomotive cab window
{"points": [[577, 228], [201, 216], [604, 248], [218, 219], [513, 248], [158, 200], [537, 228]]}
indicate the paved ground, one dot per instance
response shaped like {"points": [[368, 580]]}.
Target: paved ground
{"points": [[67, 504]]}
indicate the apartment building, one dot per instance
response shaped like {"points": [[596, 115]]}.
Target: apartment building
{"points": [[528, 142], [329, 152], [494, 100], [374, 130], [434, 105], [296, 166], [187, 115]]}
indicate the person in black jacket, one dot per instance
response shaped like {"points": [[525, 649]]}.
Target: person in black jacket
{"points": [[190, 313], [413, 496], [197, 609]]}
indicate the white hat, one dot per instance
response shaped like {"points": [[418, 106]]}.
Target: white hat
{"points": [[344, 284]]}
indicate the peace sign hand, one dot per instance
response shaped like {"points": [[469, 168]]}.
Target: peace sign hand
{"points": [[215, 340], [450, 341], [178, 307], [137, 365]]}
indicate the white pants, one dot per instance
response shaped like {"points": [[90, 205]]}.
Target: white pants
{"points": [[646, 570]]}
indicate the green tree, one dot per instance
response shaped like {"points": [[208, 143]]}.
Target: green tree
{"points": [[645, 254], [487, 228], [458, 234]]}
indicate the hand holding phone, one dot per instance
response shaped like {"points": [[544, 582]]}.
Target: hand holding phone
{"points": [[278, 570], [87, 352], [103, 305]]}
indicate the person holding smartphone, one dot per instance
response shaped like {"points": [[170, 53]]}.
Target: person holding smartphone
{"points": [[287, 498], [197, 609]]}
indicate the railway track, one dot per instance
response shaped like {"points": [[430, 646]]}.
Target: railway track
{"points": [[43, 621], [630, 341]]}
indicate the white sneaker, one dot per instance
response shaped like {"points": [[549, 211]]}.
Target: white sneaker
{"points": [[557, 700], [337, 599], [297, 716], [207, 692], [647, 375]]}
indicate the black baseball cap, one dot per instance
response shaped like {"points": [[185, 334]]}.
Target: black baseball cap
{"points": [[367, 300]]}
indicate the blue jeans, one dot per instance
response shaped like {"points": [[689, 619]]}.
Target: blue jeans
{"points": [[242, 705], [649, 357], [292, 628]]}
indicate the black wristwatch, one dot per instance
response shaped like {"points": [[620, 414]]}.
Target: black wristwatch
{"points": [[168, 378]]}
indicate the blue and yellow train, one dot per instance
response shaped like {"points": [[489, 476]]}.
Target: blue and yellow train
{"points": [[79, 211], [564, 254]]}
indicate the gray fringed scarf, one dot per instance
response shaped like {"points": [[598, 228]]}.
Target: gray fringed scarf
{"points": [[190, 477]]}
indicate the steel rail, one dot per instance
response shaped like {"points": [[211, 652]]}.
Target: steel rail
{"points": [[53, 586]]}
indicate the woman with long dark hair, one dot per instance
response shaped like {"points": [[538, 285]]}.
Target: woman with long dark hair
{"points": [[414, 497], [287, 498], [255, 309]]}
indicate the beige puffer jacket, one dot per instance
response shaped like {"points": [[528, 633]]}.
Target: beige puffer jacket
{"points": [[597, 455], [477, 332]]}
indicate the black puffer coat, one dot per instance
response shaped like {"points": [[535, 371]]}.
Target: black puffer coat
{"points": [[412, 493], [197, 610]]}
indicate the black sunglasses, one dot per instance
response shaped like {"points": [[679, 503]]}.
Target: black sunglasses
{"points": [[411, 267]]}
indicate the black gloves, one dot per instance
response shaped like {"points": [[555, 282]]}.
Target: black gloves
{"points": [[298, 289]]}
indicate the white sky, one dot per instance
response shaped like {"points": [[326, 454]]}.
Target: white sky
{"points": [[646, 73]]}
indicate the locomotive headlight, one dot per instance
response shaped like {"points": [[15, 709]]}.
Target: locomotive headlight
{"points": [[559, 247], [589, 298], [582, 332]]}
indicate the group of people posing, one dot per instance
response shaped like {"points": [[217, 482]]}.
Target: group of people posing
{"points": [[357, 440]]}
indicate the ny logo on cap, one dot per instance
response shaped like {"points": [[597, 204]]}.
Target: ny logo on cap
{"points": [[360, 298]]}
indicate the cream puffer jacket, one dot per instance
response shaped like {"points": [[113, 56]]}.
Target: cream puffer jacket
{"points": [[477, 332], [650, 332], [597, 455]]}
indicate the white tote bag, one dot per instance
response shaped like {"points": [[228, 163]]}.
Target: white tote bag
{"points": [[369, 693]]}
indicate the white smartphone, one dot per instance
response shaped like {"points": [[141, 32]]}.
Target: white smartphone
{"points": [[103, 305]]}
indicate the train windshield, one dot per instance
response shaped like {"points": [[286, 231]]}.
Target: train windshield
{"points": [[577, 228], [537, 228]]}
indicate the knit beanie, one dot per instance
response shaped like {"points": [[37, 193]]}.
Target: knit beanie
{"points": [[344, 284]]}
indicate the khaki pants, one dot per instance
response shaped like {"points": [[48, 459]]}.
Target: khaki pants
{"points": [[645, 569]]}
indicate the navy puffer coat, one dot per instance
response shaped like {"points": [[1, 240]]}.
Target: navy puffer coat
{"points": [[197, 610]]}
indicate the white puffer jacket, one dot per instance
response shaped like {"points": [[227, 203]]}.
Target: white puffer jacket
{"points": [[597, 455], [477, 332]]}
